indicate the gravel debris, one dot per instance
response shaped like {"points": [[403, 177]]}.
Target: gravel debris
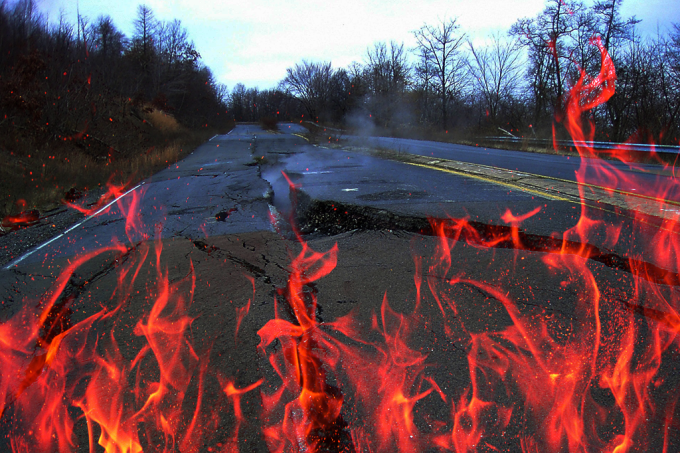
{"points": [[15, 243]]}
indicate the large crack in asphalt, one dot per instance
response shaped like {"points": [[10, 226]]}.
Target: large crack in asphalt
{"points": [[329, 217], [249, 267], [58, 319]]}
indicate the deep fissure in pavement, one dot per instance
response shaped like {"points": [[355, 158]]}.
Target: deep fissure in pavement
{"points": [[328, 217]]}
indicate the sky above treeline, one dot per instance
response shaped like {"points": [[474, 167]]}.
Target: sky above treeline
{"points": [[253, 42]]}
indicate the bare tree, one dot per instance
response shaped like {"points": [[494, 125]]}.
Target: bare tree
{"points": [[424, 74], [108, 40], [495, 70], [27, 19], [340, 92], [143, 39], [547, 38], [672, 55], [173, 44], [237, 102], [611, 27], [62, 33], [386, 69], [616, 34], [387, 75], [443, 45], [176, 58], [310, 84]]}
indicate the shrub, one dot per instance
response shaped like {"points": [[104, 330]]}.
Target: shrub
{"points": [[268, 123], [161, 120]]}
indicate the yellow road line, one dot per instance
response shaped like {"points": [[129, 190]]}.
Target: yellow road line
{"points": [[594, 186], [542, 194], [607, 189], [593, 204], [580, 202], [492, 181]]}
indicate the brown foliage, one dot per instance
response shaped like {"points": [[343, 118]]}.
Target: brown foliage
{"points": [[269, 123], [162, 121], [43, 178]]}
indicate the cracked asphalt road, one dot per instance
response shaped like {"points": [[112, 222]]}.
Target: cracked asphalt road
{"points": [[214, 212], [234, 184], [563, 167]]}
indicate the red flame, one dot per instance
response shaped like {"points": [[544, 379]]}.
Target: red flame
{"points": [[23, 219], [592, 375], [78, 135]]}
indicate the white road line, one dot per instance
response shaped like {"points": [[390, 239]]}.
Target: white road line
{"points": [[212, 138], [18, 260]]}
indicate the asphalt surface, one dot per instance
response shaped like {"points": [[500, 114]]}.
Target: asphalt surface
{"points": [[329, 175], [219, 180], [648, 179], [222, 217], [222, 188]]}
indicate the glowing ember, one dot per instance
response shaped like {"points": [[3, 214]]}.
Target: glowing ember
{"points": [[113, 191], [596, 376]]}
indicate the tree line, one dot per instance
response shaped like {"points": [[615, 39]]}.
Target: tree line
{"points": [[83, 103], [60, 79], [513, 83]]}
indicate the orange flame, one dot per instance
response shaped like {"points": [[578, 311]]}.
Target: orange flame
{"points": [[591, 378]]}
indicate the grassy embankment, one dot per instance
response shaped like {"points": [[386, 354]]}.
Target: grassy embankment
{"points": [[126, 146]]}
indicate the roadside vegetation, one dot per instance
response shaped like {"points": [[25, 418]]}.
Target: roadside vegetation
{"points": [[82, 104], [269, 123], [513, 84]]}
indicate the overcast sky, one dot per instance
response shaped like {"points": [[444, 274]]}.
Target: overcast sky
{"points": [[254, 41]]}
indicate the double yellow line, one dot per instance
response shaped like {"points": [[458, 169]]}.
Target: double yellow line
{"points": [[540, 193]]}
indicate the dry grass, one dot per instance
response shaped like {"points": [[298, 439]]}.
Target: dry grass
{"points": [[39, 180], [162, 121], [269, 124], [148, 163]]}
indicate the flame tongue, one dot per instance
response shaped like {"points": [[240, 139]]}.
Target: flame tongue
{"points": [[586, 364], [313, 417], [23, 219]]}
